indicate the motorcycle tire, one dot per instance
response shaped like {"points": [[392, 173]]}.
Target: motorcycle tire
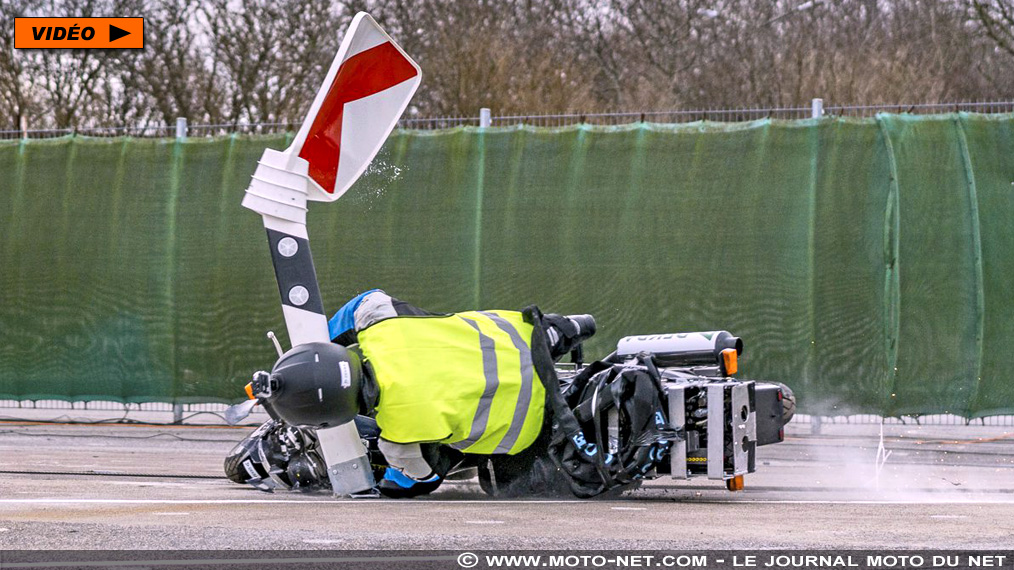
{"points": [[233, 463], [788, 404]]}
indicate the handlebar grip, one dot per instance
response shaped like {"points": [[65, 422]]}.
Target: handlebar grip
{"points": [[585, 326]]}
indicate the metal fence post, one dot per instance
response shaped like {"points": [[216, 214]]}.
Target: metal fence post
{"points": [[181, 135], [485, 117], [817, 108], [816, 112]]}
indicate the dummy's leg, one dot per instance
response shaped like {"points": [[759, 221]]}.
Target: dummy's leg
{"points": [[409, 474]]}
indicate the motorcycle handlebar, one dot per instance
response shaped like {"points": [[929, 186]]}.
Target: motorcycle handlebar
{"points": [[585, 326]]}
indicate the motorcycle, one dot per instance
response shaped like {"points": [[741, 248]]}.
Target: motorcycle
{"points": [[713, 422]]}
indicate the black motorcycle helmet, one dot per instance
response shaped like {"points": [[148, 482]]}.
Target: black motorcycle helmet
{"points": [[315, 385]]}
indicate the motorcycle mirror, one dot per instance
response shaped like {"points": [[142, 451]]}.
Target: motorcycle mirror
{"points": [[236, 413], [274, 341]]}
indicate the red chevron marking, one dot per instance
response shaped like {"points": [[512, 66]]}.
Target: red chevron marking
{"points": [[364, 74]]}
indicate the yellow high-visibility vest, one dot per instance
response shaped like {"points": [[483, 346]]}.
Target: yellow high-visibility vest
{"points": [[465, 379]]}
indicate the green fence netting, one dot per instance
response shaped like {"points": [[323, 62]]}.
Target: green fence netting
{"points": [[867, 263]]}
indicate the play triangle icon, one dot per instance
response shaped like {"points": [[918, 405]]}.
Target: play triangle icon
{"points": [[116, 33]]}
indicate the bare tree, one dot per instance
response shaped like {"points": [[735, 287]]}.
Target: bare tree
{"points": [[997, 19], [260, 60], [504, 54], [175, 75], [272, 78], [70, 80], [16, 84]]}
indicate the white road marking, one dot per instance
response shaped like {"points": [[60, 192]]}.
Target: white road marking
{"points": [[189, 563], [148, 483], [326, 501], [321, 501], [321, 541], [948, 516], [848, 502], [629, 509]]}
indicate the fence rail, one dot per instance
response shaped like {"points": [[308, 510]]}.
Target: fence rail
{"points": [[9, 409], [557, 120]]}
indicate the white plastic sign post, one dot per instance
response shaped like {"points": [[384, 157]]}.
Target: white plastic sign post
{"points": [[367, 88]]}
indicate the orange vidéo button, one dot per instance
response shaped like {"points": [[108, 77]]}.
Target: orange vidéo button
{"points": [[78, 33]]}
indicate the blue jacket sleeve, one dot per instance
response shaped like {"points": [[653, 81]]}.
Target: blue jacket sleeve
{"points": [[345, 318]]}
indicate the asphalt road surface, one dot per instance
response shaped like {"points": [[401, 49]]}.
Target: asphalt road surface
{"points": [[81, 487]]}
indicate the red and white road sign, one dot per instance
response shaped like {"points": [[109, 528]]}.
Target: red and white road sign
{"points": [[367, 88]]}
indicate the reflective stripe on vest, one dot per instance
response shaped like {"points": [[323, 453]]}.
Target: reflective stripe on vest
{"points": [[527, 376], [492, 382], [466, 380]]}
